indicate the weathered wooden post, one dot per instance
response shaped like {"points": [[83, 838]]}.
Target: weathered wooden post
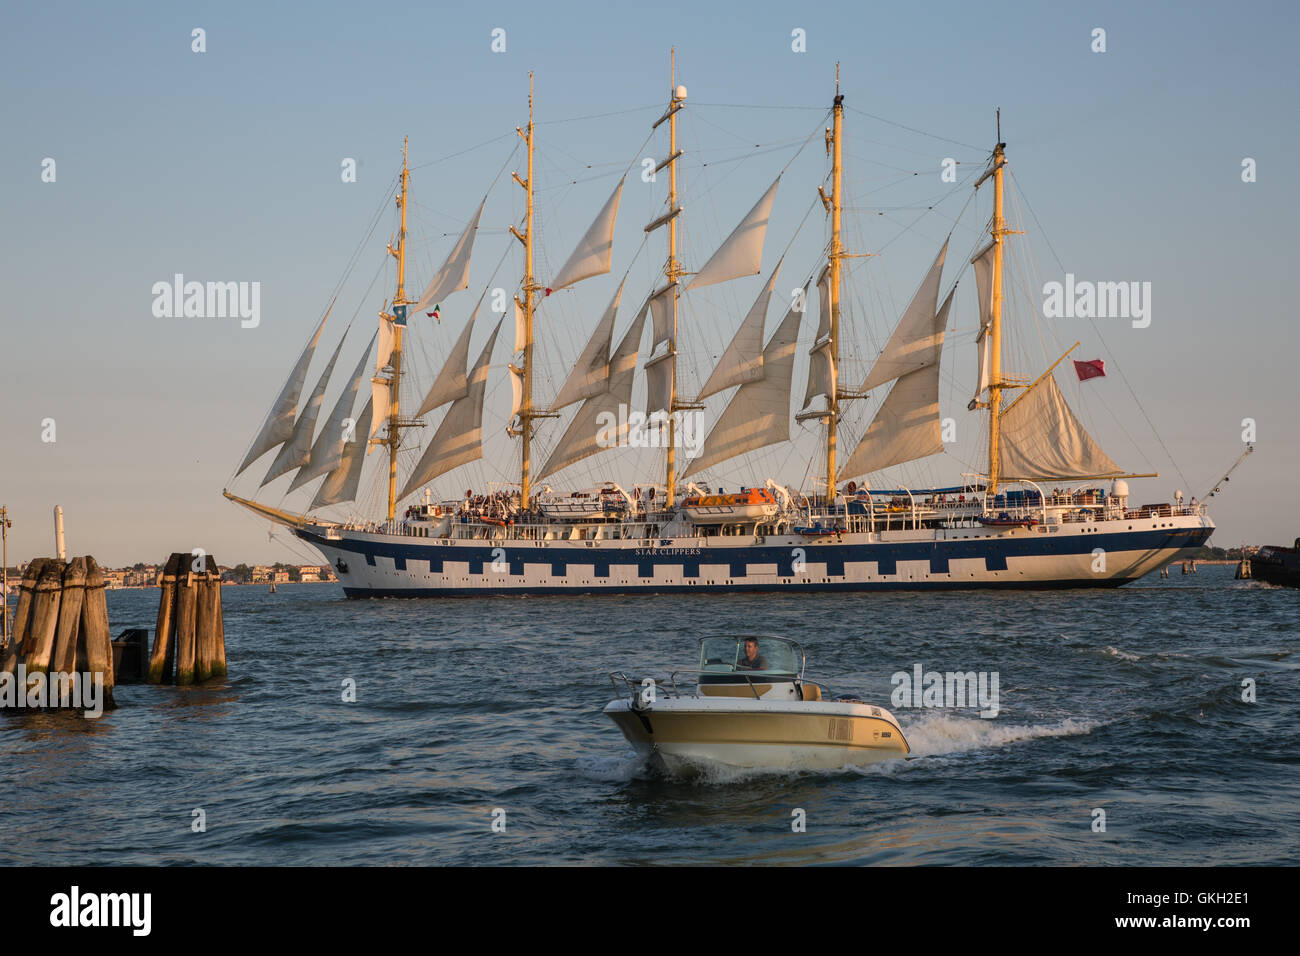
{"points": [[22, 613], [44, 618], [65, 642], [186, 608], [205, 620], [95, 629], [218, 634], [160, 659]]}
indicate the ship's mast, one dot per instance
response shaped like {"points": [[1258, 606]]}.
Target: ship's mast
{"points": [[673, 271], [997, 229], [393, 440], [528, 306], [836, 257]]}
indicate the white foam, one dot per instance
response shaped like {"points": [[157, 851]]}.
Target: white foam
{"points": [[1122, 655], [938, 734]]}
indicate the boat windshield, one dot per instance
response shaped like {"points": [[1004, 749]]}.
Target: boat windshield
{"points": [[770, 655]]}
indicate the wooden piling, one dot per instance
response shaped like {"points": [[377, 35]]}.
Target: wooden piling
{"points": [[205, 621], [186, 608], [218, 634], [160, 659], [13, 653], [95, 628], [43, 624], [65, 641]]}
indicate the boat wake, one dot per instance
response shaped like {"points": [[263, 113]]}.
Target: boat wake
{"points": [[937, 735], [620, 769]]}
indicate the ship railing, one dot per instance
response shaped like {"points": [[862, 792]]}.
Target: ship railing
{"points": [[634, 687]]}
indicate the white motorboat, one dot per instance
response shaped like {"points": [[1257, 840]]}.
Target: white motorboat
{"points": [[751, 707]]}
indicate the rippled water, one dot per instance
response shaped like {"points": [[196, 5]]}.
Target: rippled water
{"points": [[1129, 701]]}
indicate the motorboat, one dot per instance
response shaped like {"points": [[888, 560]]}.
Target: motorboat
{"points": [[1277, 565], [751, 706]]}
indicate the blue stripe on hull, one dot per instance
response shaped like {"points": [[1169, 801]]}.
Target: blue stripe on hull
{"points": [[580, 590], [686, 561]]}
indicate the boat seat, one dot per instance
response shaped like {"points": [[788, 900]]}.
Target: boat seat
{"points": [[810, 691]]}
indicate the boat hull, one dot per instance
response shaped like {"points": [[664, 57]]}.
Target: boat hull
{"points": [[684, 734], [1104, 554], [1280, 566]]}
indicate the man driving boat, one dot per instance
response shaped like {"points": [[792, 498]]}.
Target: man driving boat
{"points": [[752, 660]]}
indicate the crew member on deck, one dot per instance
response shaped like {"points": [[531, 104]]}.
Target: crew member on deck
{"points": [[752, 660]]}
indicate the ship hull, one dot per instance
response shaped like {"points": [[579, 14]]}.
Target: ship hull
{"points": [[1104, 554]]}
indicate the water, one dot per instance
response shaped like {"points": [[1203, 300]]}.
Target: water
{"points": [[1127, 701]]}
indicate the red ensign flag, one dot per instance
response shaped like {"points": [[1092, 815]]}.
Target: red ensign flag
{"points": [[1095, 368]]}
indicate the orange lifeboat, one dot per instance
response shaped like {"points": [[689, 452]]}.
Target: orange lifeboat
{"points": [[752, 504]]}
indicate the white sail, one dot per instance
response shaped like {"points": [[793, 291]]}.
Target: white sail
{"points": [[1040, 439], [743, 360], [451, 382], [906, 426], [590, 375], [659, 382], [913, 345], [758, 414], [459, 439], [296, 452], [327, 451], [521, 327], [516, 390], [278, 427], [595, 253], [821, 373], [380, 390], [663, 312], [982, 264], [454, 274], [742, 252], [824, 304], [341, 483], [588, 432], [387, 342]]}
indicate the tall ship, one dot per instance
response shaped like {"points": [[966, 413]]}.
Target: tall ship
{"points": [[1044, 505]]}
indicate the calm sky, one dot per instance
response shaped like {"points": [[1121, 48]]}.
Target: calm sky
{"points": [[225, 165]]}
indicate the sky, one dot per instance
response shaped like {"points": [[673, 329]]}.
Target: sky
{"points": [[225, 165]]}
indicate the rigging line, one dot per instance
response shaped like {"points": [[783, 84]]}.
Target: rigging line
{"points": [[338, 287], [356, 253], [443, 159], [912, 129], [1021, 193], [805, 143], [755, 106], [644, 143], [576, 182], [788, 141], [576, 119], [491, 185], [970, 197]]}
